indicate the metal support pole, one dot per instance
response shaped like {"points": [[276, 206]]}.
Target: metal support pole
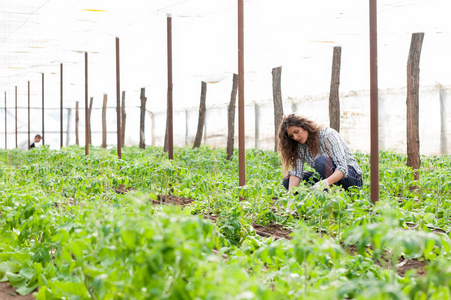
{"points": [[61, 106], [118, 105], [86, 104], [28, 114], [43, 134], [241, 132], [169, 109], [374, 104]]}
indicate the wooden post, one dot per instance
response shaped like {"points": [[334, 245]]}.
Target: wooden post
{"points": [[231, 118], [205, 128], [374, 112], [118, 100], [166, 145], [69, 117], [201, 121], [89, 121], [61, 105], [86, 105], [443, 121], [43, 132], [277, 98], [334, 99], [105, 98], [77, 119], [257, 125], [413, 84], [16, 113], [241, 119], [6, 127], [123, 116], [28, 114], [169, 122], [142, 137]]}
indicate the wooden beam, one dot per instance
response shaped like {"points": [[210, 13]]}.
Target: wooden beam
{"points": [[334, 98], [277, 99], [86, 105], [231, 117], [201, 120], [77, 119], [104, 132], [241, 120], [142, 137], [413, 85], [118, 100], [169, 122], [374, 112]]}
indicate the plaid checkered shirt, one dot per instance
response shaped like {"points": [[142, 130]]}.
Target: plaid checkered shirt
{"points": [[331, 145]]}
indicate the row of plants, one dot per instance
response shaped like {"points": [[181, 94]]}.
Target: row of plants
{"points": [[66, 232]]}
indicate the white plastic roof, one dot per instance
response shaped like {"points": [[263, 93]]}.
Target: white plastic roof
{"points": [[37, 36]]}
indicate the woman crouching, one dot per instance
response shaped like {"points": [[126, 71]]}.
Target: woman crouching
{"points": [[303, 141]]}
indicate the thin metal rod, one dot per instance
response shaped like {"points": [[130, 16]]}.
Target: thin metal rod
{"points": [[118, 104], [86, 104], [43, 133], [16, 116], [169, 109], [61, 106], [28, 114], [6, 127], [241, 132], [374, 119]]}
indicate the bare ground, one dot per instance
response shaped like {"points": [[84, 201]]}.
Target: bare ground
{"points": [[7, 292]]}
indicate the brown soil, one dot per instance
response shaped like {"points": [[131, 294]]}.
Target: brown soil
{"points": [[275, 230], [403, 265], [7, 292], [171, 199], [211, 217], [412, 264], [121, 189]]}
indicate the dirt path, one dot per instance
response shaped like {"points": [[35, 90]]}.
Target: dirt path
{"points": [[7, 292]]}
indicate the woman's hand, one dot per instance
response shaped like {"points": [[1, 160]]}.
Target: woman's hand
{"points": [[320, 185], [325, 183]]}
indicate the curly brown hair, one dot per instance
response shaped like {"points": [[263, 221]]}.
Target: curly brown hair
{"points": [[287, 147]]}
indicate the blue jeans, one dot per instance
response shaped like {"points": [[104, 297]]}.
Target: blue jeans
{"points": [[325, 167]]}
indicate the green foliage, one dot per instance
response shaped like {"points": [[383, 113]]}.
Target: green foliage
{"points": [[66, 233]]}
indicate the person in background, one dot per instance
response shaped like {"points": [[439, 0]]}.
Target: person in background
{"points": [[37, 139], [303, 141]]}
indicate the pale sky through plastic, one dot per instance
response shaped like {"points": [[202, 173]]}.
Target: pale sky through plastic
{"points": [[36, 36]]}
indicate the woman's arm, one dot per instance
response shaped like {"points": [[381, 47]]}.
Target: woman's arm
{"points": [[335, 177], [293, 181]]}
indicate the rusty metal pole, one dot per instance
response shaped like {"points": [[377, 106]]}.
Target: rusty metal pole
{"points": [[374, 104], [6, 129], [169, 109], [61, 106], [28, 114], [118, 104], [86, 104], [241, 132], [43, 134], [16, 116]]}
